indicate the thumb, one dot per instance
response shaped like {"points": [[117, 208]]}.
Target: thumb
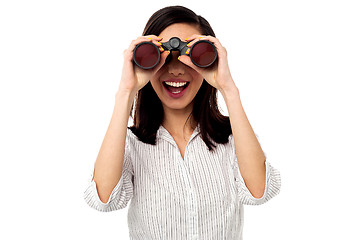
{"points": [[187, 61], [163, 57]]}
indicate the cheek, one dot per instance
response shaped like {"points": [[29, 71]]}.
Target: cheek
{"points": [[155, 82], [195, 75], [156, 85], [197, 79]]}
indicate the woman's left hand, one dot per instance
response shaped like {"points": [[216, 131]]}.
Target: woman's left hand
{"points": [[218, 75]]}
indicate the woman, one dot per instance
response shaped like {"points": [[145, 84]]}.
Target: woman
{"points": [[187, 168]]}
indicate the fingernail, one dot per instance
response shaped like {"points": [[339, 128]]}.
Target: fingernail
{"points": [[162, 48], [187, 51], [188, 44], [160, 43], [186, 39]]}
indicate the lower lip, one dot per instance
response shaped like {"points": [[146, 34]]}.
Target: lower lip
{"points": [[176, 95]]}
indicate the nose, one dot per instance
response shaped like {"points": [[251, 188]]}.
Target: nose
{"points": [[175, 67]]}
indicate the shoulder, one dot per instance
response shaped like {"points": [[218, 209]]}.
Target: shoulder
{"points": [[130, 134], [131, 139]]}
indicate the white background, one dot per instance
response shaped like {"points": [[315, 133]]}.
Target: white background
{"points": [[296, 64]]}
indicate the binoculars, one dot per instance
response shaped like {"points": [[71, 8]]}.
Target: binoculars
{"points": [[203, 53]]}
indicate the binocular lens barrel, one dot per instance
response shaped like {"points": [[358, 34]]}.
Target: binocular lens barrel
{"points": [[146, 55], [203, 53]]}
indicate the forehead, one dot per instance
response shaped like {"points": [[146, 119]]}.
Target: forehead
{"points": [[181, 30]]}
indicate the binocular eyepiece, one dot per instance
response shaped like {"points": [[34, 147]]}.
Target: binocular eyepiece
{"points": [[203, 53]]}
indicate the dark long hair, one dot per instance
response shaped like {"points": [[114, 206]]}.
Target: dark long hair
{"points": [[148, 113]]}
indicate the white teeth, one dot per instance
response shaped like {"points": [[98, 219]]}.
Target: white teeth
{"points": [[176, 84]]}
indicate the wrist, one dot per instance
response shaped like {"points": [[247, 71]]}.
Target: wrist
{"points": [[122, 92], [230, 91], [124, 97]]}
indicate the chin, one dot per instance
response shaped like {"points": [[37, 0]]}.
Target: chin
{"points": [[176, 104]]}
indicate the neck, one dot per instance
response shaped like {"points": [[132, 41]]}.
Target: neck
{"points": [[178, 121]]}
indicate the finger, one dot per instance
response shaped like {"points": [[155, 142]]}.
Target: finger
{"points": [[212, 39], [193, 39], [220, 49], [154, 37], [203, 37], [128, 53], [156, 40], [135, 42], [194, 36], [159, 45], [149, 38]]}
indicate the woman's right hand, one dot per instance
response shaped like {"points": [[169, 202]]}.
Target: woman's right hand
{"points": [[133, 77]]}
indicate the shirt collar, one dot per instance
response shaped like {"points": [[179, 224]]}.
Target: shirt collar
{"points": [[164, 134]]}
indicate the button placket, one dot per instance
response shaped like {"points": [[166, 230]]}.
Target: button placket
{"points": [[192, 207], [193, 202]]}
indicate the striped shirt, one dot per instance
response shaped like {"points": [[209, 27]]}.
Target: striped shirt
{"points": [[200, 197]]}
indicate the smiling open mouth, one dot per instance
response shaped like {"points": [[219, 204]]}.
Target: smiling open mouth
{"points": [[175, 90]]}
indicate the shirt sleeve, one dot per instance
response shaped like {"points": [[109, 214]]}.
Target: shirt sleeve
{"points": [[121, 193], [272, 187]]}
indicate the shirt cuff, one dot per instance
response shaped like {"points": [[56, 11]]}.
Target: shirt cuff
{"points": [[91, 196], [272, 187]]}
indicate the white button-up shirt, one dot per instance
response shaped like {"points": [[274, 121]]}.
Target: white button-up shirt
{"points": [[200, 197]]}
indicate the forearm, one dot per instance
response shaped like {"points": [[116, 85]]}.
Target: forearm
{"points": [[251, 159], [109, 163]]}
